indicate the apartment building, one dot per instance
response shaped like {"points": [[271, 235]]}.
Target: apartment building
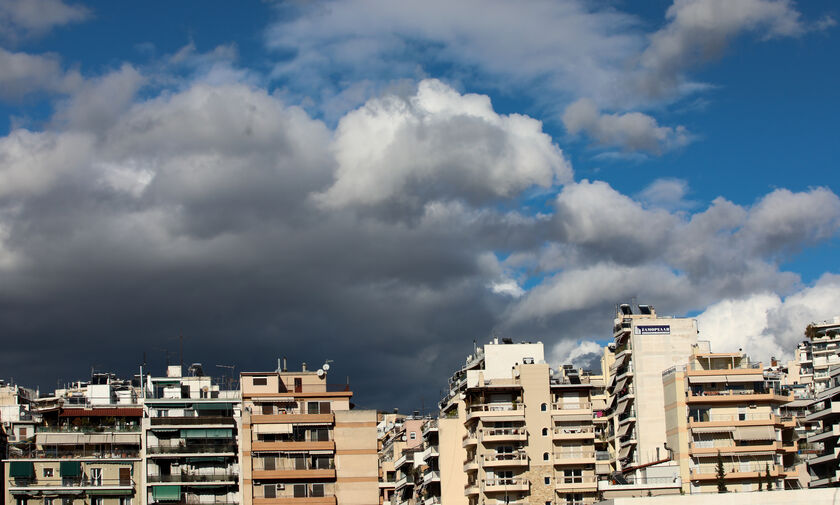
{"points": [[722, 407], [819, 353], [824, 466], [527, 430], [82, 452], [190, 439], [398, 436], [644, 344], [302, 444]]}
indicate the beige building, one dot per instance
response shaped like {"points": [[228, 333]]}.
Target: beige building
{"points": [[721, 407], [87, 453], [302, 444], [527, 431], [644, 345]]}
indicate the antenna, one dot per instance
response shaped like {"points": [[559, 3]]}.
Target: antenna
{"points": [[229, 379]]}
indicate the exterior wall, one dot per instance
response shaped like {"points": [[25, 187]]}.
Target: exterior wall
{"points": [[501, 358], [356, 461], [453, 479], [790, 497]]}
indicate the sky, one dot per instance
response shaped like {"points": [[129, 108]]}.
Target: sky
{"points": [[383, 183]]}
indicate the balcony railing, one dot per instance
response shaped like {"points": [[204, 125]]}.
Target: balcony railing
{"points": [[501, 432], [225, 476], [496, 407], [506, 456], [561, 455], [75, 452], [571, 406], [513, 481], [191, 448], [574, 431], [69, 483], [89, 429]]}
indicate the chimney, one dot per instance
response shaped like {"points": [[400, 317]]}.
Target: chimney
{"points": [[303, 366], [284, 364]]}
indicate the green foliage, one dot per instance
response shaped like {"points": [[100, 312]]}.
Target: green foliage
{"points": [[720, 475]]}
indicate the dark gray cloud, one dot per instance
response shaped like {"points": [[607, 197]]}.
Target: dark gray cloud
{"points": [[222, 214]]}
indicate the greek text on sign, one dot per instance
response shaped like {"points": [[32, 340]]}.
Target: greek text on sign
{"points": [[659, 329]]}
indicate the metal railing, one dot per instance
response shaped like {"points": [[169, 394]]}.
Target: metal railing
{"points": [[571, 405], [574, 455], [506, 456], [512, 481], [231, 475], [191, 448], [496, 407], [89, 429], [69, 482]]}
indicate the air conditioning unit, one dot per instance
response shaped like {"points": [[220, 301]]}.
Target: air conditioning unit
{"points": [[281, 487]]}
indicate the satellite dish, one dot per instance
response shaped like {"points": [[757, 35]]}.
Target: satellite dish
{"points": [[321, 372], [326, 367]]}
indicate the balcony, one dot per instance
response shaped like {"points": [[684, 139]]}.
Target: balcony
{"points": [[471, 465], [430, 477], [737, 396], [428, 453], [735, 450], [577, 483], [505, 459], [302, 474], [292, 418], [581, 433], [469, 439], [506, 485], [290, 500], [571, 408], [642, 484], [58, 484], [471, 489], [496, 411], [294, 445], [504, 435], [77, 452], [834, 409], [224, 448], [135, 428], [581, 457], [231, 476], [738, 471], [192, 421]]}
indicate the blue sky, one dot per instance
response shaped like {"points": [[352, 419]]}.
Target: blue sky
{"points": [[414, 175]]}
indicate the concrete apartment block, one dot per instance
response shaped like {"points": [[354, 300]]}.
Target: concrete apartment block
{"points": [[824, 466], [720, 405], [302, 444]]}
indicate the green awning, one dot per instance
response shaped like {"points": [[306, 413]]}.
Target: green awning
{"points": [[212, 406], [109, 492], [200, 459], [22, 469], [70, 469], [166, 493], [207, 433]]}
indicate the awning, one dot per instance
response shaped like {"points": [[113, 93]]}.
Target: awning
{"points": [[212, 406], [623, 430], [706, 379], [207, 459], [126, 438], [109, 492], [713, 429], [624, 452], [70, 469], [622, 404], [620, 361], [745, 378], [206, 433], [620, 385], [166, 493], [22, 469], [98, 439], [273, 428], [755, 433]]}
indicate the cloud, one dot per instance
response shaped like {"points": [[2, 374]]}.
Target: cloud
{"points": [[766, 325], [632, 131], [698, 31], [667, 193], [25, 73], [438, 144], [25, 18], [99, 102]]}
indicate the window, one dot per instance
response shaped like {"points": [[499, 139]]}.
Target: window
{"points": [[95, 500], [48, 472], [543, 407], [313, 408], [261, 381], [299, 490], [95, 477], [413, 435], [22, 432], [547, 480], [545, 456], [325, 407], [270, 491], [267, 409], [20, 501], [545, 432], [125, 500], [298, 385], [67, 501], [48, 501], [317, 490]]}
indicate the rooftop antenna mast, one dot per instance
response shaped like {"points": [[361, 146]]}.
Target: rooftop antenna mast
{"points": [[229, 378]]}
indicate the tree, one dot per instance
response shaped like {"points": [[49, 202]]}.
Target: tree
{"points": [[810, 331], [720, 475]]}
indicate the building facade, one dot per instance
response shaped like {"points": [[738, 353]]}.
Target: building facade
{"points": [[824, 466]]}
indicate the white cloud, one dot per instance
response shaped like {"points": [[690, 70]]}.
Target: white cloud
{"points": [[765, 324], [99, 102], [508, 287], [438, 144], [35, 17], [579, 353], [632, 131], [700, 30], [25, 73], [668, 193]]}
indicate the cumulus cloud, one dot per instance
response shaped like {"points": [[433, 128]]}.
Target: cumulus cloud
{"points": [[98, 102], [435, 144], [700, 30], [668, 193], [25, 73], [36, 17], [767, 325], [585, 354], [632, 131]]}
